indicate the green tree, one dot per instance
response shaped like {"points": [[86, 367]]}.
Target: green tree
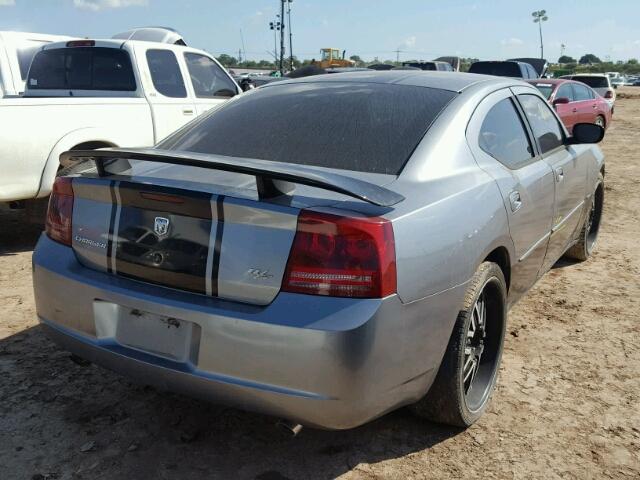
{"points": [[357, 59], [589, 58], [227, 60], [632, 61], [566, 59]]}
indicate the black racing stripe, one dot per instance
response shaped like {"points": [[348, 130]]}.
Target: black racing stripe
{"points": [[112, 221], [217, 245]]}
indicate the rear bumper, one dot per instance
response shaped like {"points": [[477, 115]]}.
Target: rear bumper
{"points": [[325, 362]]}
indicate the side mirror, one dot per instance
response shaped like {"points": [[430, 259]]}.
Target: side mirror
{"points": [[586, 133], [560, 101]]}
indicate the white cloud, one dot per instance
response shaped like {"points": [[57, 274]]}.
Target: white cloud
{"points": [[95, 5], [7, 3], [512, 42], [409, 42]]}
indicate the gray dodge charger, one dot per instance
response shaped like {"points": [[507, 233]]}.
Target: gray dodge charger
{"points": [[323, 250]]}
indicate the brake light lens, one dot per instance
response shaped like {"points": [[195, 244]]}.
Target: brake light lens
{"points": [[81, 43], [60, 212], [609, 94], [342, 257]]}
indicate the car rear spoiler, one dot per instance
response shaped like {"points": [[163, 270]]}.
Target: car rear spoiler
{"points": [[271, 177]]}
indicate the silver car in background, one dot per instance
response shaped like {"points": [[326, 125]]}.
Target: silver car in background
{"points": [[354, 250]]}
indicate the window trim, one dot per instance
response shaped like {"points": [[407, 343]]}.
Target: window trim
{"points": [[554, 150], [214, 97]]}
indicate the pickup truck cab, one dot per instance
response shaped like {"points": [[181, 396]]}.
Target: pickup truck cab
{"points": [[101, 93], [16, 52]]}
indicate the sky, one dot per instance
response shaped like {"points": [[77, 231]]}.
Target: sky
{"points": [[425, 29]]}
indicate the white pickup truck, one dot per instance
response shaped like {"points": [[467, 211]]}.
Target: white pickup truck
{"points": [[101, 93]]}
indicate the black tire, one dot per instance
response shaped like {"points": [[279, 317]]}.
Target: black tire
{"points": [[451, 400], [586, 243]]}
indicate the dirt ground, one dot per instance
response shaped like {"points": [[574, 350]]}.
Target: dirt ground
{"points": [[567, 405]]}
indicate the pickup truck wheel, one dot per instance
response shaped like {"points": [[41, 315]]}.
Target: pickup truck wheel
{"points": [[583, 249], [468, 372]]}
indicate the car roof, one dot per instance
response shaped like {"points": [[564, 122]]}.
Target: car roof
{"points": [[451, 81]]}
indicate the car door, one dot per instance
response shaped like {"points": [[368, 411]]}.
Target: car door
{"points": [[503, 147], [567, 112], [164, 83], [211, 84], [569, 172], [585, 104]]}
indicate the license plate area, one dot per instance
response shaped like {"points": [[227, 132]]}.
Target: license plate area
{"points": [[168, 337]]}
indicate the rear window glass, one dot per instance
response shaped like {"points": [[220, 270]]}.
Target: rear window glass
{"points": [[25, 54], [366, 127], [82, 68], [500, 69], [420, 65], [593, 82]]}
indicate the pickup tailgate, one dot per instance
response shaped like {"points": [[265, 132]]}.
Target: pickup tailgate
{"points": [[217, 245]]}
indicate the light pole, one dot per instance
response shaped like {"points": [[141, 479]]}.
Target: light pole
{"points": [[540, 16], [282, 38], [289, 2], [275, 26]]}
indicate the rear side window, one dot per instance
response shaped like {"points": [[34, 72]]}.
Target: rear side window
{"points": [[565, 91], [208, 79], [165, 73], [366, 127], [503, 135], [581, 92], [500, 69], [82, 68], [593, 82], [543, 122], [25, 53]]}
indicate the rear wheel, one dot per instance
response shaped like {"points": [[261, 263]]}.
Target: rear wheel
{"points": [[600, 121], [589, 233], [467, 376]]}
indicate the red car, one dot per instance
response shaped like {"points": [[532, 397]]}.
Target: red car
{"points": [[574, 102]]}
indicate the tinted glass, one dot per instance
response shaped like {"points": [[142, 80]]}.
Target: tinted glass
{"points": [[500, 69], [25, 53], [543, 122], [208, 79], [165, 73], [82, 68], [366, 127], [420, 65], [503, 136], [593, 82], [581, 92], [565, 91], [545, 89]]}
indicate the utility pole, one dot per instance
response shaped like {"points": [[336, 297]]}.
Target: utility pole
{"points": [[282, 38], [563, 47], [289, 2], [398, 52], [244, 50], [540, 16]]}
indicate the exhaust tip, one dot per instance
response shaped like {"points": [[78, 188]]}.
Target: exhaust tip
{"points": [[290, 428]]}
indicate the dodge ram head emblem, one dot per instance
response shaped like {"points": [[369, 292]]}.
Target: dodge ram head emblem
{"points": [[161, 226]]}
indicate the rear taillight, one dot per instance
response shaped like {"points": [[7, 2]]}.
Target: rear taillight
{"points": [[341, 257], [58, 225], [609, 94]]}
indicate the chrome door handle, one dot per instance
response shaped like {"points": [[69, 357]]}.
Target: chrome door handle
{"points": [[187, 111], [515, 201], [559, 174]]}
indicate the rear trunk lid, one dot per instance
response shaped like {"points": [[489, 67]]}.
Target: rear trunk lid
{"points": [[200, 229], [212, 244]]}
